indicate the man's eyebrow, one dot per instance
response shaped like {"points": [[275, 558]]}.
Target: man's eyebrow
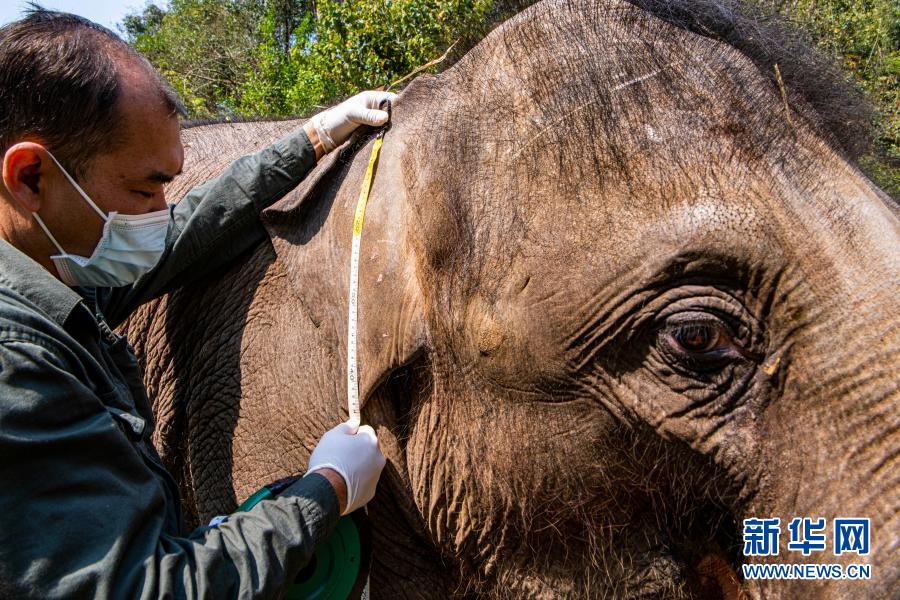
{"points": [[161, 177]]}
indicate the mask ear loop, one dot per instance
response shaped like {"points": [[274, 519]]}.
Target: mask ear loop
{"points": [[47, 231], [78, 188]]}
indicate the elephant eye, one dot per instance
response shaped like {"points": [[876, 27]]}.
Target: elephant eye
{"points": [[699, 343], [698, 337]]}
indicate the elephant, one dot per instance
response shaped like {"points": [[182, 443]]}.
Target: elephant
{"points": [[622, 289]]}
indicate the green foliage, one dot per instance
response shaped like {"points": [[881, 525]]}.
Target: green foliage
{"points": [[351, 46], [285, 57], [201, 47], [144, 23], [866, 35]]}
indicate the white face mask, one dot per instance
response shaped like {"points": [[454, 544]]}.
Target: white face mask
{"points": [[130, 246]]}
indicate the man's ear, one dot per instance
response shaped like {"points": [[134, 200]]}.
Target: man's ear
{"points": [[24, 166]]}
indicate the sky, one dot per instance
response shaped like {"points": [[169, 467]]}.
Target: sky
{"points": [[108, 13]]}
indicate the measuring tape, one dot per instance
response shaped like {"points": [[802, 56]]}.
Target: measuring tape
{"points": [[352, 316], [355, 417]]}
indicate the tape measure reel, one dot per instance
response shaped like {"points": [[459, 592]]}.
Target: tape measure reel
{"points": [[340, 567]]}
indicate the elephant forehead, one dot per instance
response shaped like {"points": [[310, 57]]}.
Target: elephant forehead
{"points": [[534, 295], [567, 267]]}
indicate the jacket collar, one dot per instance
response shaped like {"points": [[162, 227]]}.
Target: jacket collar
{"points": [[35, 283]]}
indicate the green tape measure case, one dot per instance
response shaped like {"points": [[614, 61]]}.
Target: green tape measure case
{"points": [[339, 568]]}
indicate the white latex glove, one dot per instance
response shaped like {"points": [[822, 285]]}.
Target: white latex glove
{"points": [[336, 124], [355, 456]]}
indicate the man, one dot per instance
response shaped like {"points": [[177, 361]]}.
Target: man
{"points": [[89, 135]]}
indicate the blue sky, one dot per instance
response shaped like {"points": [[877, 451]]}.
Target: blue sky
{"points": [[106, 12]]}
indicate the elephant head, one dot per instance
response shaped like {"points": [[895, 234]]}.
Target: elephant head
{"points": [[622, 288]]}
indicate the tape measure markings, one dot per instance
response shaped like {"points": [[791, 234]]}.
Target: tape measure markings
{"points": [[352, 315]]}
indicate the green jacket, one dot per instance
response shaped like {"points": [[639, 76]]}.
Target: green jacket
{"points": [[87, 509]]}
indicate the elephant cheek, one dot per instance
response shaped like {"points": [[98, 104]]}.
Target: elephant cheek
{"points": [[524, 459]]}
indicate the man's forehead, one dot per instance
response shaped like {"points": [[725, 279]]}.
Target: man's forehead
{"points": [[150, 135], [141, 97]]}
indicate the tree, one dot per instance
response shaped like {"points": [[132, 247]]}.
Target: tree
{"points": [[281, 57], [345, 46], [145, 23], [203, 47], [865, 35], [284, 57]]}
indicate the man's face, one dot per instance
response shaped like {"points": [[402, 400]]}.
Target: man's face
{"points": [[128, 178]]}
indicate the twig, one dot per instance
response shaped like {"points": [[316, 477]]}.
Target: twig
{"points": [[787, 110], [425, 66]]}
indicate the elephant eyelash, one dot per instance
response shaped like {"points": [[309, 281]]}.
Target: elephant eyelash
{"points": [[675, 337], [706, 337]]}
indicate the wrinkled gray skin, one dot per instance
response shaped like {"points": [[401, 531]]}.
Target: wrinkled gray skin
{"points": [[610, 306]]}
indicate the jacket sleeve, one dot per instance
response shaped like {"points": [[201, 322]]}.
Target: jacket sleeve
{"points": [[84, 513], [216, 222]]}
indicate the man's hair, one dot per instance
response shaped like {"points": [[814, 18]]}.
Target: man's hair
{"points": [[59, 85]]}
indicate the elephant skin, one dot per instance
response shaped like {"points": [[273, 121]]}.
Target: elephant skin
{"points": [[619, 291]]}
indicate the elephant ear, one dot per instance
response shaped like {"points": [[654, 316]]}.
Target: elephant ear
{"points": [[296, 227], [311, 232], [284, 216]]}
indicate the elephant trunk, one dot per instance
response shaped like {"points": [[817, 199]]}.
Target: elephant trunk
{"points": [[834, 461]]}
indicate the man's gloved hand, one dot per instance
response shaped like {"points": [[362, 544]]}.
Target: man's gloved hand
{"points": [[335, 125], [355, 456]]}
